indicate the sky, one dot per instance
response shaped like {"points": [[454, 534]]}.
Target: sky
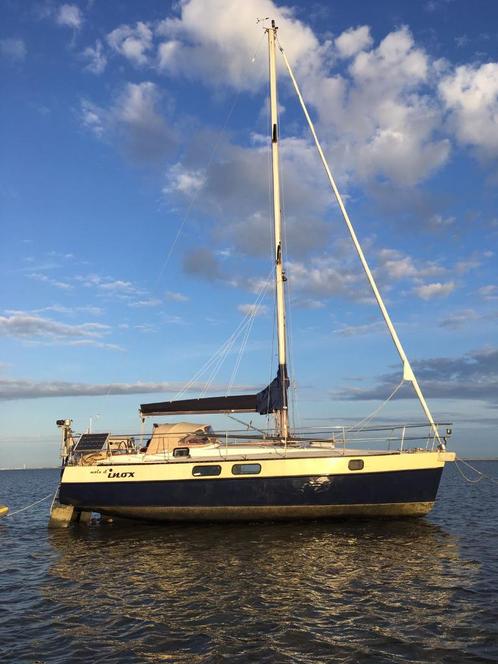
{"points": [[135, 207]]}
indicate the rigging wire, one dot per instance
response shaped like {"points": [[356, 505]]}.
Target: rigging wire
{"points": [[224, 348], [195, 195], [206, 366], [245, 326], [249, 321], [242, 349], [365, 420], [253, 313], [214, 363], [212, 156], [408, 373]]}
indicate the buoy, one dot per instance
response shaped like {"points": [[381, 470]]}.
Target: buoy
{"points": [[4, 510]]}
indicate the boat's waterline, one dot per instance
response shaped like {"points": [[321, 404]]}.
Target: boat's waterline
{"points": [[269, 513]]}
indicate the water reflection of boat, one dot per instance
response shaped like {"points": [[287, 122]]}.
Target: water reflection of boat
{"points": [[351, 585], [188, 472]]}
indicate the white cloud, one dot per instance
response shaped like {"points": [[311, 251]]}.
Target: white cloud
{"points": [[471, 376], [470, 94], [380, 118], [134, 122], [351, 41], [13, 49], [132, 43], [467, 264], [80, 343], [361, 330], [69, 16], [86, 309], [339, 274], [459, 319], [93, 117], [96, 58], [489, 292], [23, 325], [222, 51], [437, 221], [145, 328], [119, 286], [117, 289], [150, 302], [12, 388], [201, 262], [174, 320], [177, 297], [233, 188], [253, 309], [394, 265], [184, 181], [38, 276], [437, 289], [308, 303], [327, 276]]}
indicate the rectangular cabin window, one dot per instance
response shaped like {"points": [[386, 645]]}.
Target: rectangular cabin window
{"points": [[206, 471], [246, 469], [356, 464], [181, 452]]}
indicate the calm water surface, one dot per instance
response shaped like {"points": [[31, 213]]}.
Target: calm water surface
{"points": [[394, 591]]}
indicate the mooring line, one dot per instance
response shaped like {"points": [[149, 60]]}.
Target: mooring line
{"points": [[482, 475], [28, 506]]}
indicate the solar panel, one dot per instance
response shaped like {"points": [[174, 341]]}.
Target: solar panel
{"points": [[91, 442]]}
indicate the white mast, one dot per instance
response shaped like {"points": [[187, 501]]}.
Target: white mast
{"points": [[279, 269]]}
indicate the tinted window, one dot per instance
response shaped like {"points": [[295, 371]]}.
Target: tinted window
{"points": [[246, 469], [356, 464], [205, 471], [181, 452]]}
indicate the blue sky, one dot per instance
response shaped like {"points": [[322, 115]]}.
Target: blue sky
{"points": [[136, 224]]}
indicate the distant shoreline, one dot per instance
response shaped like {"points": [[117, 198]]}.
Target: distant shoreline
{"points": [[32, 468]]}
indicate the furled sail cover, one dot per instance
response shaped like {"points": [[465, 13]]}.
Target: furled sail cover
{"points": [[269, 400]]}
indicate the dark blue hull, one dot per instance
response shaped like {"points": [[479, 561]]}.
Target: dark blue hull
{"points": [[396, 493]]}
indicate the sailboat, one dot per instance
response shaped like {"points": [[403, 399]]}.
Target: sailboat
{"points": [[189, 472]]}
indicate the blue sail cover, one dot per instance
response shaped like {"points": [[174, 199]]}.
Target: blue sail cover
{"points": [[274, 397], [269, 400]]}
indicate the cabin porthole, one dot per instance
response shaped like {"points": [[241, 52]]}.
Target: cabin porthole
{"points": [[246, 469], [356, 464], [181, 452], [206, 471]]}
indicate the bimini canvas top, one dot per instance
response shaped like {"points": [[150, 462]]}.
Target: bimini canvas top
{"points": [[165, 437]]}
